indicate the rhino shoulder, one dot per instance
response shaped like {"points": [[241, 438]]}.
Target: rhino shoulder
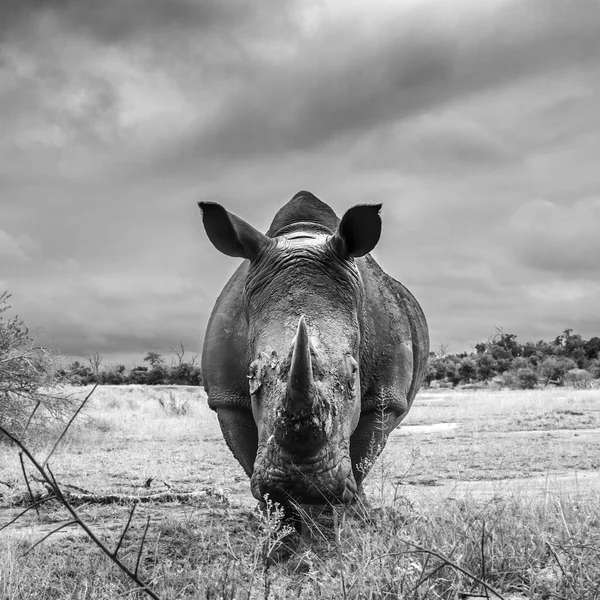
{"points": [[224, 356], [395, 343]]}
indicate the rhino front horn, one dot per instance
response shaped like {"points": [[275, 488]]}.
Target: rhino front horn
{"points": [[300, 378]]}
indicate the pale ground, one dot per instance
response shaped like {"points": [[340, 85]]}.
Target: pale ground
{"points": [[489, 445], [477, 444]]}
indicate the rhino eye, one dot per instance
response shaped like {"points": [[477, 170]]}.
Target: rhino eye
{"points": [[353, 373]]}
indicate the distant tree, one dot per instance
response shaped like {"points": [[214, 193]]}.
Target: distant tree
{"points": [[436, 369], [592, 348], [95, 359], [467, 370], [154, 358], [180, 353], [481, 348], [554, 368], [486, 366], [530, 351], [452, 374], [508, 342], [502, 357]]}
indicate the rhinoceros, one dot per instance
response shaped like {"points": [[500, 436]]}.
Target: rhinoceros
{"points": [[312, 354]]}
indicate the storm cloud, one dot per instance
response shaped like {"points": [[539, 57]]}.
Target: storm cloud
{"points": [[475, 124]]}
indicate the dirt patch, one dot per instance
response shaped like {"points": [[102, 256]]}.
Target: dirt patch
{"points": [[108, 521], [434, 428], [555, 484]]}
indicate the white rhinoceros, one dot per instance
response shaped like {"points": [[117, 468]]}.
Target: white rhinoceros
{"points": [[312, 354]]}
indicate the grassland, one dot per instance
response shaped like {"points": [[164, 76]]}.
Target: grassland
{"points": [[502, 485]]}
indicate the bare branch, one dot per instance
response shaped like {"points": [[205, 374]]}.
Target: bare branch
{"points": [[124, 530], [48, 535], [179, 353], [482, 545], [137, 563], [446, 562], [95, 359], [31, 417], [27, 481], [68, 425], [34, 505]]}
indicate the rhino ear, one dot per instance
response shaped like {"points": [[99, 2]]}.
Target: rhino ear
{"points": [[358, 231], [230, 234]]}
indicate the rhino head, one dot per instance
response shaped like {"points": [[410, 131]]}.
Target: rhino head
{"points": [[301, 307]]}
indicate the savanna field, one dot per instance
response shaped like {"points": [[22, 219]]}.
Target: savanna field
{"points": [[476, 487]]}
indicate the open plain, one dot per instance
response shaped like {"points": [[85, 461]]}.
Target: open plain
{"points": [[501, 487]]}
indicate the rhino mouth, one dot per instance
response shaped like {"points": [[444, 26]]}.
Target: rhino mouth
{"points": [[323, 478]]}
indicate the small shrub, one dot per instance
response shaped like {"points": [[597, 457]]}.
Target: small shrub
{"points": [[173, 405], [29, 378], [526, 378], [578, 378]]}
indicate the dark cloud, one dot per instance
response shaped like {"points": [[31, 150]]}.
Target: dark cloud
{"points": [[350, 80], [561, 239], [115, 312], [116, 21]]}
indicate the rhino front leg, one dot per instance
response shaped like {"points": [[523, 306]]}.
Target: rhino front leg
{"points": [[239, 431], [369, 439]]}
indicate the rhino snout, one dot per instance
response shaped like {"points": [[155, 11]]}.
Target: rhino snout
{"points": [[304, 433]]}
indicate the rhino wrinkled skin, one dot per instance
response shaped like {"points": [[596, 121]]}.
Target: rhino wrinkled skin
{"points": [[312, 354]]}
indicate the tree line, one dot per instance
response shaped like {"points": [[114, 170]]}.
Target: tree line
{"points": [[569, 359], [155, 372]]}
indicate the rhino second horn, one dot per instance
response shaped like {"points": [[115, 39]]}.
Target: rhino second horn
{"points": [[300, 378]]}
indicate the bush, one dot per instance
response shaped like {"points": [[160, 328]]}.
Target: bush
{"points": [[28, 377], [467, 370], [578, 377], [185, 374], [138, 375], [554, 368], [526, 378]]}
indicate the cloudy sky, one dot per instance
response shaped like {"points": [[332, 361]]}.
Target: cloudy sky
{"points": [[476, 124]]}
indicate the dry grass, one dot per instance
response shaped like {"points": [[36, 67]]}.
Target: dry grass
{"points": [[526, 545]]}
